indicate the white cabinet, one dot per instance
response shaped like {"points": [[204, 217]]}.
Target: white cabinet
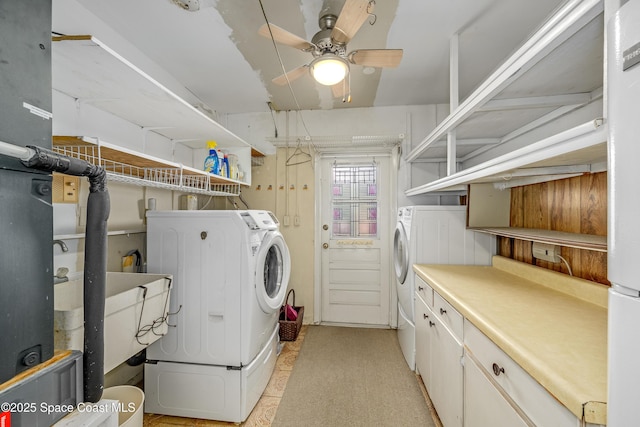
{"points": [[471, 381], [424, 291], [484, 404], [424, 317], [446, 373], [514, 386], [439, 352]]}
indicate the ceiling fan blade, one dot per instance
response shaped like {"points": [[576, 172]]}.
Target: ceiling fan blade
{"points": [[283, 36], [387, 58], [342, 90], [352, 16], [292, 75]]}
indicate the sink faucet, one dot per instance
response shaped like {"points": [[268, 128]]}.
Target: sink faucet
{"points": [[63, 246], [61, 275]]}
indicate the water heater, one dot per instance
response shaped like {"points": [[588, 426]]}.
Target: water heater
{"points": [[26, 213]]}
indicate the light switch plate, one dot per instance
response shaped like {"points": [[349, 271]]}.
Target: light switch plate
{"points": [[65, 188]]}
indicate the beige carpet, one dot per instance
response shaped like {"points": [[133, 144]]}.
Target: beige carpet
{"points": [[351, 377]]}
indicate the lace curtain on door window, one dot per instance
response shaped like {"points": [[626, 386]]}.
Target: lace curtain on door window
{"points": [[354, 201]]}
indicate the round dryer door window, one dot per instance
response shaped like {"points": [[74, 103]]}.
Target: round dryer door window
{"points": [[273, 268], [401, 253]]}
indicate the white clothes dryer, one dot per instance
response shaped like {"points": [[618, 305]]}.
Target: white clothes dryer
{"points": [[230, 276], [431, 235]]}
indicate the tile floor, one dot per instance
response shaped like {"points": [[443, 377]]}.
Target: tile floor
{"points": [[264, 412]]}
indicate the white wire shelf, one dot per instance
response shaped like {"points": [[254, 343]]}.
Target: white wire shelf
{"points": [[76, 236], [133, 168]]}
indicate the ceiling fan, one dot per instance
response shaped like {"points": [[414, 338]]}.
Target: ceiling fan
{"points": [[328, 46]]}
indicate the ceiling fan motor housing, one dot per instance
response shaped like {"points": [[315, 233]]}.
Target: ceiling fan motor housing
{"points": [[327, 22], [323, 41]]}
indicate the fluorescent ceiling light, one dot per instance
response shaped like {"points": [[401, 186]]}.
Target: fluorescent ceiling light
{"points": [[329, 69]]}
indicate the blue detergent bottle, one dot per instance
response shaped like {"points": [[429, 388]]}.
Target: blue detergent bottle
{"points": [[211, 162], [226, 166]]}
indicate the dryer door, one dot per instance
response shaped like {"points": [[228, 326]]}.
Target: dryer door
{"points": [[401, 253], [273, 267]]}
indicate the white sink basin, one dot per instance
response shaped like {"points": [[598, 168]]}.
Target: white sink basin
{"points": [[125, 316]]}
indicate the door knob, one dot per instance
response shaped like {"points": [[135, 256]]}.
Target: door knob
{"points": [[325, 246], [325, 227]]}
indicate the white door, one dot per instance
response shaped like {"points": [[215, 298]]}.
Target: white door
{"points": [[355, 246], [446, 373]]}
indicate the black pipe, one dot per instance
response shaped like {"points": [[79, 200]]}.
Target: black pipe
{"points": [[138, 358], [95, 281], [95, 260]]}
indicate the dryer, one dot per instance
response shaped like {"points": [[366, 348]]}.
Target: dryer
{"points": [[431, 235], [230, 276]]}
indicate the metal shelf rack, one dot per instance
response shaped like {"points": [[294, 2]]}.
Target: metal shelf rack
{"points": [[130, 167]]}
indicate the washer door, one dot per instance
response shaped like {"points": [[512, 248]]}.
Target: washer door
{"points": [[401, 253], [273, 267]]}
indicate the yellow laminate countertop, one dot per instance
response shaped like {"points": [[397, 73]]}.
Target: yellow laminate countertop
{"points": [[553, 325]]}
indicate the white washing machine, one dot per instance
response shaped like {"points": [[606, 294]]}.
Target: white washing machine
{"points": [[230, 271], [431, 235]]}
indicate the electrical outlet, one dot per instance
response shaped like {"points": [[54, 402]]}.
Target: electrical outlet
{"points": [[285, 220], [296, 220], [546, 252]]}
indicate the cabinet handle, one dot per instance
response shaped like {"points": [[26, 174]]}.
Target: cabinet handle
{"points": [[420, 288], [443, 311], [497, 370], [431, 323], [425, 316]]}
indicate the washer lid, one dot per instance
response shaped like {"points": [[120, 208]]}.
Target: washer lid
{"points": [[273, 268], [401, 253]]}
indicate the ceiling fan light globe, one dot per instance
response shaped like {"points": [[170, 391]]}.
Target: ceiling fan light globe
{"points": [[329, 71]]}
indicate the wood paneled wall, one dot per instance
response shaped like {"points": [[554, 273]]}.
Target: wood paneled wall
{"points": [[576, 205]]}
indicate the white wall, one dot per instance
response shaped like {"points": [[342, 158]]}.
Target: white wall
{"points": [[414, 122], [272, 182]]}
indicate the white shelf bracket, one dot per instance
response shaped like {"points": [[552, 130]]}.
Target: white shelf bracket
{"points": [[454, 99]]}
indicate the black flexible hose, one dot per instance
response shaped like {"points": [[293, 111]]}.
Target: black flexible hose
{"points": [[95, 260], [95, 281]]}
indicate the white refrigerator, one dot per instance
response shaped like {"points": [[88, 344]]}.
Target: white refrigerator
{"points": [[623, 114]]}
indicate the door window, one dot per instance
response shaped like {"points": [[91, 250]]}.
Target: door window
{"points": [[354, 201]]}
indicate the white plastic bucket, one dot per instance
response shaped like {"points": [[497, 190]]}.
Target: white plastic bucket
{"points": [[131, 400]]}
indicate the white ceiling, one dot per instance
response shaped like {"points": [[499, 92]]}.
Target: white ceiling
{"points": [[217, 54]]}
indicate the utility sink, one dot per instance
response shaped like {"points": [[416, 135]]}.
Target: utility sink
{"points": [[135, 314]]}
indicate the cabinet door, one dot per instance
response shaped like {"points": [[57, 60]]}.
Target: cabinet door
{"points": [[483, 403], [423, 341], [446, 374]]}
